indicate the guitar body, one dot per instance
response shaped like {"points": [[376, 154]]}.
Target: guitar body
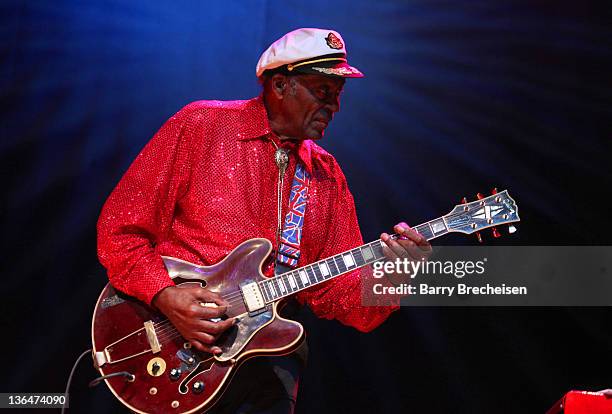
{"points": [[168, 375]]}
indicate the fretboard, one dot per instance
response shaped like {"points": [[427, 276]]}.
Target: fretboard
{"points": [[278, 287]]}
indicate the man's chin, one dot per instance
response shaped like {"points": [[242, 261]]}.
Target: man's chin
{"points": [[315, 134]]}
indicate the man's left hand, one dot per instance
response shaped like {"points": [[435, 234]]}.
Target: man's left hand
{"points": [[410, 245]]}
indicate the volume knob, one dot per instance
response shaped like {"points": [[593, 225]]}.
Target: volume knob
{"points": [[198, 387], [175, 373]]}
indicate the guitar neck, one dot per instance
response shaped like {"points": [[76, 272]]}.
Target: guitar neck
{"points": [[281, 286]]}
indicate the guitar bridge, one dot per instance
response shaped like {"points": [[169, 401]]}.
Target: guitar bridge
{"points": [[152, 337]]}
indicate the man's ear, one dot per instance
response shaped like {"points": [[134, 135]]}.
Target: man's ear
{"points": [[279, 84]]}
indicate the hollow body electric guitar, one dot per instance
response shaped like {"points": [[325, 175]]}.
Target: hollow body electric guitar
{"points": [[150, 368]]}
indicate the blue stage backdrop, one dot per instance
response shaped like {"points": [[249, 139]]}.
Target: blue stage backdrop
{"points": [[459, 97]]}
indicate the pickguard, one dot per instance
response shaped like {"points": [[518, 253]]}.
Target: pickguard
{"points": [[236, 338]]}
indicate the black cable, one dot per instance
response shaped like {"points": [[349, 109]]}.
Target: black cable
{"points": [[130, 378], [70, 377]]}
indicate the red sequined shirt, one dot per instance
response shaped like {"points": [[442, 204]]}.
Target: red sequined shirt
{"points": [[206, 182]]}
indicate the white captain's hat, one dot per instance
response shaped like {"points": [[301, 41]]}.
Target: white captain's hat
{"points": [[315, 51]]}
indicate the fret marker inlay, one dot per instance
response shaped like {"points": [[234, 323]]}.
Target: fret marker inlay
{"points": [[304, 278], [348, 260], [292, 282]]}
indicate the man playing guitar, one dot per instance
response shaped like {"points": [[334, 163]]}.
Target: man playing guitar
{"points": [[219, 173]]}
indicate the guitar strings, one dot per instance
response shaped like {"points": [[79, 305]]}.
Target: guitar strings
{"points": [[169, 338], [164, 326], [165, 330], [232, 296]]}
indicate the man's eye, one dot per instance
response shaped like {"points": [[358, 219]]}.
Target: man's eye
{"points": [[322, 92]]}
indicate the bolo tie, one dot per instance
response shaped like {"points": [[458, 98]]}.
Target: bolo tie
{"points": [[281, 157]]}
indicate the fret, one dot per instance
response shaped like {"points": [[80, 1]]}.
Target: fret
{"points": [[272, 290], [288, 282], [288, 289], [298, 280], [367, 252], [438, 227], [348, 260], [303, 277], [270, 284], [358, 256], [281, 285], [285, 279], [314, 274], [277, 289], [331, 265], [292, 282], [425, 230], [377, 249], [340, 264], [324, 269], [266, 291]]}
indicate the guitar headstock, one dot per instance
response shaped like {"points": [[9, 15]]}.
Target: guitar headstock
{"points": [[485, 212]]}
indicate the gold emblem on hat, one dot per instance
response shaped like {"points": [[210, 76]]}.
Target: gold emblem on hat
{"points": [[334, 41], [336, 71]]}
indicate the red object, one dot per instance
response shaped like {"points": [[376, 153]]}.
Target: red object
{"points": [[582, 402], [495, 233], [479, 196], [207, 182], [494, 190]]}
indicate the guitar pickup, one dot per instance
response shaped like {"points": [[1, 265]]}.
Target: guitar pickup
{"points": [[253, 298]]}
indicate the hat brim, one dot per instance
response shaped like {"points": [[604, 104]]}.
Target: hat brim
{"points": [[334, 69]]}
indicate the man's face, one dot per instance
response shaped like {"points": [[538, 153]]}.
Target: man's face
{"points": [[310, 104]]}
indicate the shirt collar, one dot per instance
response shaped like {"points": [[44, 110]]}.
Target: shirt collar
{"points": [[253, 124]]}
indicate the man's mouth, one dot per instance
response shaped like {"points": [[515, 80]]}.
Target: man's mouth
{"points": [[323, 124]]}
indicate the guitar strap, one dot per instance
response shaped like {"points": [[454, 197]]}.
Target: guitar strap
{"points": [[291, 236]]}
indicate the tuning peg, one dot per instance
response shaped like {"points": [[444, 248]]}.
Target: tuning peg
{"points": [[511, 229], [494, 190], [496, 233], [478, 237], [479, 196]]}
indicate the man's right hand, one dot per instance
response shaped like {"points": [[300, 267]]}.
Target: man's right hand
{"points": [[189, 310]]}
